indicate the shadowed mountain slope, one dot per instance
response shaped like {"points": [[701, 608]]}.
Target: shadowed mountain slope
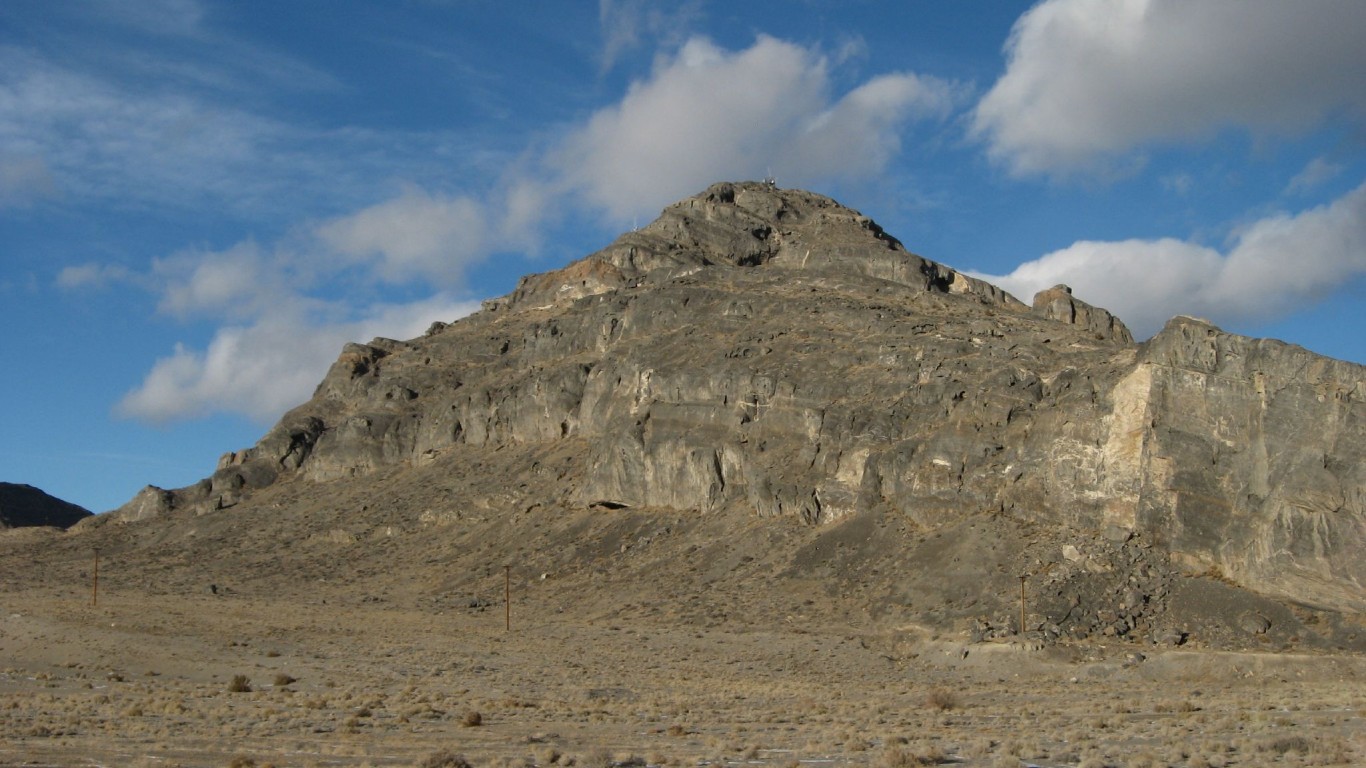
{"points": [[24, 506]]}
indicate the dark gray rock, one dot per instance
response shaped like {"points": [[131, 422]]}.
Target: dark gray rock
{"points": [[23, 506], [1254, 624]]}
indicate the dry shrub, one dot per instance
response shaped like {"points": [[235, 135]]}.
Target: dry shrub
{"points": [[907, 757], [598, 758], [444, 758], [941, 699], [239, 684], [472, 719], [282, 680], [1283, 744]]}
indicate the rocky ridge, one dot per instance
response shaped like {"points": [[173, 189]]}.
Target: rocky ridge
{"points": [[767, 354]]}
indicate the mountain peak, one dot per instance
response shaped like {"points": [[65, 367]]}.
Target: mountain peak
{"points": [[749, 224]]}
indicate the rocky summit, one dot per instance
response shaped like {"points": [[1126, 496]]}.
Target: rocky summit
{"points": [[763, 390]]}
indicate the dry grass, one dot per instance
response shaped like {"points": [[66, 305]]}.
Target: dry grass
{"points": [[673, 694], [908, 757], [444, 758]]}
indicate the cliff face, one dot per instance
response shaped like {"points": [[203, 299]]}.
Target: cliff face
{"points": [[771, 352], [1254, 462]]}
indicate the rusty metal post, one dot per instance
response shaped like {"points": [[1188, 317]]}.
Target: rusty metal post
{"points": [[507, 598], [1022, 604]]}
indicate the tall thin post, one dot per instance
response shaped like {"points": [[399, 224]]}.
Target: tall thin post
{"points": [[1022, 604], [95, 581], [507, 598]]}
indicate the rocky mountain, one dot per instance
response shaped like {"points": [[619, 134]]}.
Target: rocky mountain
{"points": [[23, 506], [768, 357]]}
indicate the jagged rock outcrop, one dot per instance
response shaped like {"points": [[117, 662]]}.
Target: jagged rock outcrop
{"points": [[770, 351], [1058, 303], [23, 506]]}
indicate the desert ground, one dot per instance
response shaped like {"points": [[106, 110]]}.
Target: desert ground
{"points": [[332, 678], [325, 625]]}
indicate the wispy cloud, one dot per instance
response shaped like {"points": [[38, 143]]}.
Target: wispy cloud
{"points": [[162, 17], [1316, 172], [627, 25], [24, 180], [79, 138], [1089, 80]]}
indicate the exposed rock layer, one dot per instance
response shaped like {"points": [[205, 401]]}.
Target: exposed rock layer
{"points": [[769, 352]]}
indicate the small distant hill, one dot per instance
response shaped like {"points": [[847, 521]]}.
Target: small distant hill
{"points": [[23, 506]]}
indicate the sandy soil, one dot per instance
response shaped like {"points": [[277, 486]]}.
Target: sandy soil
{"points": [[146, 679]]}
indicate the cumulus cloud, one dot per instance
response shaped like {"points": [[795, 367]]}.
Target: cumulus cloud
{"points": [[271, 365], [238, 282], [707, 114], [1089, 80], [414, 235], [286, 313], [1271, 267]]}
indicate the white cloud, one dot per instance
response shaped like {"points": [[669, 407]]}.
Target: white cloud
{"points": [[24, 179], [708, 114], [238, 282], [165, 17], [1274, 266], [97, 140], [628, 24], [265, 368], [414, 235], [280, 334], [861, 133], [1089, 80], [93, 275], [1316, 172], [85, 138]]}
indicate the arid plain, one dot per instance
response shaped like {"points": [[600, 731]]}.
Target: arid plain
{"points": [[196, 659]]}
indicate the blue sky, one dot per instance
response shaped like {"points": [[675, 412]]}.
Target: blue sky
{"points": [[201, 200]]}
